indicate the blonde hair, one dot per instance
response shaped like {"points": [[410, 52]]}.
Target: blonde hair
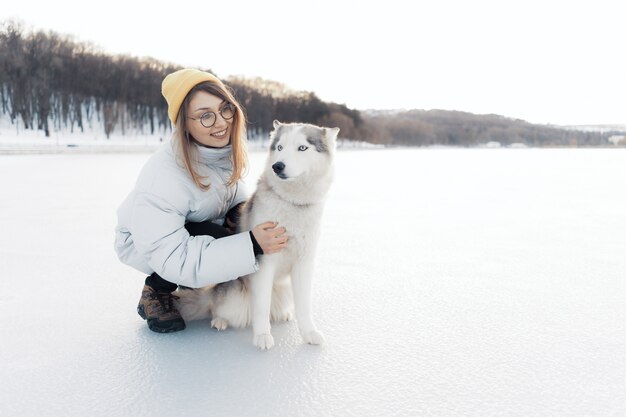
{"points": [[187, 148]]}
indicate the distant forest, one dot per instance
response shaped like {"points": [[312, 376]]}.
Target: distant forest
{"points": [[51, 82]]}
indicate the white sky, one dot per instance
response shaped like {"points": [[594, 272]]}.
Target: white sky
{"points": [[559, 62]]}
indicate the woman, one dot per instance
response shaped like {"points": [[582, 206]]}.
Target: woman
{"points": [[170, 225]]}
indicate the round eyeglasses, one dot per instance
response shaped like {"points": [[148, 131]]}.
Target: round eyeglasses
{"points": [[209, 118]]}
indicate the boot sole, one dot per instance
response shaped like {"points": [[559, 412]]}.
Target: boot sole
{"points": [[141, 312], [161, 326]]}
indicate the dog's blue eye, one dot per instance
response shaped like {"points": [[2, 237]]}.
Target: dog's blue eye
{"points": [[303, 148], [279, 147]]}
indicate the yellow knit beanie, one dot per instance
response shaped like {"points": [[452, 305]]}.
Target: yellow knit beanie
{"points": [[177, 84]]}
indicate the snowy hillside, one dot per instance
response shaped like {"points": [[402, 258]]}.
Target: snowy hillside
{"points": [[15, 139]]}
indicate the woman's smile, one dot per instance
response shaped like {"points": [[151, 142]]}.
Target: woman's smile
{"points": [[221, 134]]}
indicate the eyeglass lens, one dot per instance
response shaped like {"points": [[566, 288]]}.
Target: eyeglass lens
{"points": [[208, 119]]}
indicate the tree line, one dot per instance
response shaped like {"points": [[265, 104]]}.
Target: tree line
{"points": [[51, 82]]}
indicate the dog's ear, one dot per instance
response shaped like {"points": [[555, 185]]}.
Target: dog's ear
{"points": [[330, 133], [276, 124]]}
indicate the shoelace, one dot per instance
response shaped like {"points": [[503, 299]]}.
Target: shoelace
{"points": [[166, 300]]}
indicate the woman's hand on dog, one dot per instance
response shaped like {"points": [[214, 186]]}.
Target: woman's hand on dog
{"points": [[271, 238]]}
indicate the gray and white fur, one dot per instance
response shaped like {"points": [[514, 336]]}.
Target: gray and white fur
{"points": [[291, 191]]}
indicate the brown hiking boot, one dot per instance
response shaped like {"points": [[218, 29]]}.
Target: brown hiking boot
{"points": [[158, 309]]}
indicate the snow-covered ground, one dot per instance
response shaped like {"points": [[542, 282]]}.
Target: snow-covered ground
{"points": [[449, 282]]}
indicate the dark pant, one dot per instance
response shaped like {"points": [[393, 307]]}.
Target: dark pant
{"points": [[194, 229]]}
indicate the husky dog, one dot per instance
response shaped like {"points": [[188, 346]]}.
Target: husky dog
{"points": [[291, 191]]}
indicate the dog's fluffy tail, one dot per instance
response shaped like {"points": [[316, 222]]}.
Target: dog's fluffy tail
{"points": [[231, 303], [195, 304]]}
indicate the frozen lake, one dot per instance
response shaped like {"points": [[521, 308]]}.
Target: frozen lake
{"points": [[449, 282]]}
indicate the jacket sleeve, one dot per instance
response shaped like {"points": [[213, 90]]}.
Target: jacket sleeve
{"points": [[159, 234]]}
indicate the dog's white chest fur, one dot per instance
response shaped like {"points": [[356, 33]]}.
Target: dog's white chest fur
{"points": [[300, 221]]}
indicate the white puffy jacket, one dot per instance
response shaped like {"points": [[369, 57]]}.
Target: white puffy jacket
{"points": [[151, 236]]}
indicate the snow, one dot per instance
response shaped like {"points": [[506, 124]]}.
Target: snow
{"points": [[449, 282]]}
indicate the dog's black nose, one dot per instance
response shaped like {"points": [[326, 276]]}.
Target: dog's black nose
{"points": [[278, 167]]}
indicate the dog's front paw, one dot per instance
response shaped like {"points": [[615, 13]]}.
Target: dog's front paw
{"points": [[313, 337], [263, 341], [219, 323]]}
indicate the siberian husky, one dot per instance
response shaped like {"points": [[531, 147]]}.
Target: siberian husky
{"points": [[290, 191]]}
